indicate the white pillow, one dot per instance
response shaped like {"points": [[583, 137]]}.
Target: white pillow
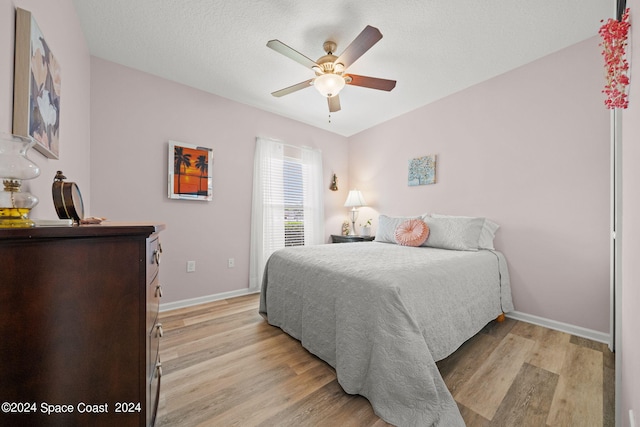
{"points": [[456, 233], [487, 234], [387, 225]]}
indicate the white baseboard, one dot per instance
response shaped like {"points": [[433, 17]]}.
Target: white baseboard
{"points": [[562, 327], [201, 300]]}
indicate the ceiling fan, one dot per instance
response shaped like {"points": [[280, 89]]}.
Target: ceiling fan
{"points": [[330, 69]]}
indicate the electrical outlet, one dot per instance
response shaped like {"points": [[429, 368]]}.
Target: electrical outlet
{"points": [[231, 263], [191, 266]]}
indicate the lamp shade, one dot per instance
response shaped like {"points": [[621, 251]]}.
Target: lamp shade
{"points": [[329, 84], [354, 199]]}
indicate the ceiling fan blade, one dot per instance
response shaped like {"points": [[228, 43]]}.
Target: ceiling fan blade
{"points": [[282, 48], [371, 82], [367, 38], [334, 103], [291, 89]]}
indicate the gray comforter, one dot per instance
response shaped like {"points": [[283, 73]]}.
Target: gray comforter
{"points": [[382, 314]]}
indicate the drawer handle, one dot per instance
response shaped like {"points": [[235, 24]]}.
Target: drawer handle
{"points": [[158, 369], [159, 331], [156, 254], [158, 291]]}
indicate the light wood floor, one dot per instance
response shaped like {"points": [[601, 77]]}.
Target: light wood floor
{"points": [[223, 365]]}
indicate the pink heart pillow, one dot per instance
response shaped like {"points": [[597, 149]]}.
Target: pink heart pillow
{"points": [[412, 232]]}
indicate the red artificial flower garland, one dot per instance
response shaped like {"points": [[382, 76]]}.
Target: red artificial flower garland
{"points": [[614, 35]]}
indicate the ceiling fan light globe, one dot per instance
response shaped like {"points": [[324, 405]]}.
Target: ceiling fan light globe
{"points": [[329, 84]]}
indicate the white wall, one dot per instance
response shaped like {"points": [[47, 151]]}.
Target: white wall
{"points": [[60, 26], [528, 149], [135, 114]]}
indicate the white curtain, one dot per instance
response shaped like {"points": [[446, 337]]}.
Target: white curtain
{"points": [[313, 197], [267, 214]]}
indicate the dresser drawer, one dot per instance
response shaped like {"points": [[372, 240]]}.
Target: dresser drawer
{"points": [[154, 348], [154, 255], [154, 293], [154, 392]]}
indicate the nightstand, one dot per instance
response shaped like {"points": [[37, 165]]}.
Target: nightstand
{"points": [[337, 238]]}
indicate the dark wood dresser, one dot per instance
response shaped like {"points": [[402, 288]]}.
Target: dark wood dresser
{"points": [[79, 338]]}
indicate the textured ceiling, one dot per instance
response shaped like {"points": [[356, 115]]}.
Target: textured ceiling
{"points": [[431, 47]]}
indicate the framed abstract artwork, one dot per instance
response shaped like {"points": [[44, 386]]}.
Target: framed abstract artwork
{"points": [[190, 172], [36, 91], [422, 170]]}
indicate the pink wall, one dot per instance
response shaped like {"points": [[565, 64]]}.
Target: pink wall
{"points": [[134, 115], [59, 24], [528, 149], [630, 237]]}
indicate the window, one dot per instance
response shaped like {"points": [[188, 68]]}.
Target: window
{"points": [[287, 203], [293, 202]]}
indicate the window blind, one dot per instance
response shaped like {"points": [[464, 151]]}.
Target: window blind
{"points": [[293, 197]]}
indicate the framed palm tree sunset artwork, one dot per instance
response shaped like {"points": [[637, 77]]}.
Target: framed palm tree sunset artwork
{"points": [[190, 172]]}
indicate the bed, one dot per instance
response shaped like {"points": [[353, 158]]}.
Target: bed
{"points": [[381, 314]]}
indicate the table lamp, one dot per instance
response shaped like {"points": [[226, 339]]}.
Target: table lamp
{"points": [[354, 201]]}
